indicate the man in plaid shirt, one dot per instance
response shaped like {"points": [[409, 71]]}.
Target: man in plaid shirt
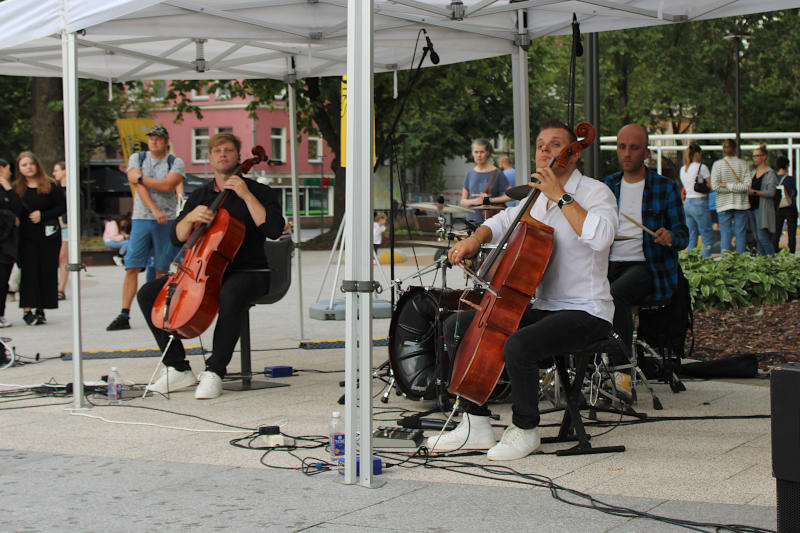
{"points": [[643, 264]]}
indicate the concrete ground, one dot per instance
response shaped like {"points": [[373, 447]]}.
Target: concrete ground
{"points": [[153, 465]]}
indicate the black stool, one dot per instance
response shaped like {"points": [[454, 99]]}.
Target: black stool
{"points": [[279, 259], [660, 353], [571, 428]]}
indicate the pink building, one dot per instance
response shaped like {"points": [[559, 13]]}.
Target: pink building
{"points": [[270, 130]]}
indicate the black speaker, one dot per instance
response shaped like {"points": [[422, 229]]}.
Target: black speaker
{"points": [[785, 406]]}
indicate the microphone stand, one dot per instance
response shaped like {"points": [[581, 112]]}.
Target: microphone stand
{"points": [[390, 142]]}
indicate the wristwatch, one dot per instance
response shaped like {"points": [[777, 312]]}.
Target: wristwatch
{"points": [[139, 179], [565, 199]]}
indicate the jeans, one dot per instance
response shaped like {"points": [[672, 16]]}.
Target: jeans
{"points": [[541, 335], [738, 219], [698, 219], [120, 246], [763, 236]]}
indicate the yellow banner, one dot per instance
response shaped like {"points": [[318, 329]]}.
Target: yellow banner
{"points": [[132, 133], [343, 135]]}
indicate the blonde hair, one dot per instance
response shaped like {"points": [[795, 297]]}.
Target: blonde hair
{"points": [[43, 181], [691, 151]]}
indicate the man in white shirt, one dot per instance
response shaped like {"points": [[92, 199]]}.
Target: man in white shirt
{"points": [[572, 306]]}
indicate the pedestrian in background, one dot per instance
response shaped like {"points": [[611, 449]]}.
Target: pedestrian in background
{"points": [[39, 238], [762, 201], [731, 181], [787, 209], [695, 175], [10, 211], [60, 175]]}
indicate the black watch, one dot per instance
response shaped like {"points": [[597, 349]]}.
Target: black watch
{"points": [[139, 179], [565, 199]]}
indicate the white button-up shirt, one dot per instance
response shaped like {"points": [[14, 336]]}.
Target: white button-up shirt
{"points": [[576, 277]]}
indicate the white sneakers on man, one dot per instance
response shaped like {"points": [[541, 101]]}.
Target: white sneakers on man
{"points": [[172, 380], [515, 443], [210, 386], [472, 433]]}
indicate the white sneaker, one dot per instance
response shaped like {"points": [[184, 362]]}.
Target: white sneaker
{"points": [[118, 260], [472, 433], [210, 386], [176, 380], [515, 443], [4, 323]]}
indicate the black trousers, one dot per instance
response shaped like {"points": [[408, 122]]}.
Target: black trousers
{"points": [[631, 285], [5, 275], [541, 336], [238, 290], [789, 214]]}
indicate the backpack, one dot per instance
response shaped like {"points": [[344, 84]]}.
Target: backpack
{"points": [[143, 156]]}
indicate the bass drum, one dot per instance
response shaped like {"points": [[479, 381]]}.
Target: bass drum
{"points": [[416, 354]]}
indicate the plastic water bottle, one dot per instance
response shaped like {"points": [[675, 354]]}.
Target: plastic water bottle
{"points": [[336, 444], [114, 387]]}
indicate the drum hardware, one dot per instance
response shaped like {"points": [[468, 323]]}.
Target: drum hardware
{"points": [[441, 208]]}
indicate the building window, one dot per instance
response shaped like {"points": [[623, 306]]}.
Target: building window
{"points": [[200, 145], [288, 209], [158, 90], [225, 129], [223, 93], [278, 144], [318, 201], [314, 150], [200, 94]]}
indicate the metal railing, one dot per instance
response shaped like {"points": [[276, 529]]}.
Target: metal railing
{"points": [[661, 144]]}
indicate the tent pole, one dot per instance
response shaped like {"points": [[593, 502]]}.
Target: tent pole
{"points": [[358, 234], [69, 65], [295, 194], [591, 101], [519, 77]]}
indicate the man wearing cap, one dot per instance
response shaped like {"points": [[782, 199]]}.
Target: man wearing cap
{"points": [[155, 207]]}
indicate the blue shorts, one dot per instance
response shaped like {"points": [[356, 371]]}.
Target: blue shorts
{"points": [[149, 235], [64, 234]]}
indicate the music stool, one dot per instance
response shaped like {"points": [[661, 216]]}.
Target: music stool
{"points": [[571, 428], [639, 345], [279, 259]]}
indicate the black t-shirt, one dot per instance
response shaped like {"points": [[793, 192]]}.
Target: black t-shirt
{"points": [[251, 253]]}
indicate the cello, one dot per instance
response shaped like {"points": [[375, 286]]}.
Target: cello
{"points": [[512, 273], [189, 300]]}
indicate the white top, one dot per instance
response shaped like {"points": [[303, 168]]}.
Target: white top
{"points": [[688, 177], [576, 277], [630, 203], [733, 172], [377, 232]]}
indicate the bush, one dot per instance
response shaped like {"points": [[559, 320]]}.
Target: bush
{"points": [[738, 280]]}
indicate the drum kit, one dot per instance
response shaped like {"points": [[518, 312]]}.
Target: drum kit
{"points": [[419, 365]]}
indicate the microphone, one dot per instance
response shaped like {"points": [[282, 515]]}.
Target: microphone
{"points": [[429, 48]]}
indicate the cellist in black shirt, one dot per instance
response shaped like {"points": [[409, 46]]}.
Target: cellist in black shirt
{"points": [[257, 207]]}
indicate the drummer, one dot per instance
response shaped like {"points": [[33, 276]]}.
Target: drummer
{"points": [[572, 307], [484, 185]]}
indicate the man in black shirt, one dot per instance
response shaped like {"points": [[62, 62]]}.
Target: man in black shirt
{"points": [[245, 280]]}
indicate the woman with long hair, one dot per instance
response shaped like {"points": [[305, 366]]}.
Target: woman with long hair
{"points": [[39, 238], [698, 215]]}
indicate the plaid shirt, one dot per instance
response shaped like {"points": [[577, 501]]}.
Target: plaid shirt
{"points": [[661, 208]]}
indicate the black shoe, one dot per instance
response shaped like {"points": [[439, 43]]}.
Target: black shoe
{"points": [[29, 318], [40, 318], [121, 322]]}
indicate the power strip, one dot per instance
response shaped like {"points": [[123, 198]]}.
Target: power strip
{"points": [[394, 437]]}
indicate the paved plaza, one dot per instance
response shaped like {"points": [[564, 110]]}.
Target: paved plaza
{"points": [[159, 464]]}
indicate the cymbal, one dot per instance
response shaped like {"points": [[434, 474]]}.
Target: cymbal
{"points": [[441, 208], [623, 238], [490, 207], [520, 192], [433, 244]]}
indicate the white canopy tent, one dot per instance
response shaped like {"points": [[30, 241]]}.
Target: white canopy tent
{"points": [[120, 40]]}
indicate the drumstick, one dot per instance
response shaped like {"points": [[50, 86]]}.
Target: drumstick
{"points": [[643, 227]]}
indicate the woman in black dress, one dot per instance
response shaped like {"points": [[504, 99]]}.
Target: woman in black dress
{"points": [[39, 238]]}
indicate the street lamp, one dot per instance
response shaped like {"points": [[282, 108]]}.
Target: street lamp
{"points": [[737, 37]]}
